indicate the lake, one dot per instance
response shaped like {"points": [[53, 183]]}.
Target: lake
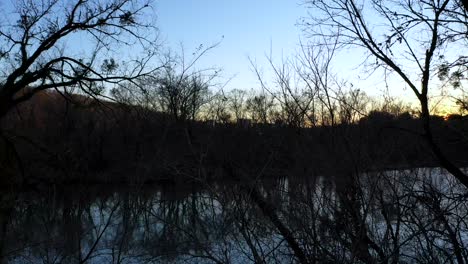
{"points": [[399, 216]]}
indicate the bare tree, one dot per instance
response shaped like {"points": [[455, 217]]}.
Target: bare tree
{"points": [[217, 108], [316, 71], [294, 94], [181, 96], [259, 107], [439, 25], [236, 100], [34, 52], [352, 105], [179, 88]]}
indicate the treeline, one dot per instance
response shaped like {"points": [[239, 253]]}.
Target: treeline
{"points": [[74, 138], [185, 96]]}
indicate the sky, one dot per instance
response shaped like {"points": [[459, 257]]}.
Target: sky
{"points": [[249, 29], [245, 29], [253, 29]]}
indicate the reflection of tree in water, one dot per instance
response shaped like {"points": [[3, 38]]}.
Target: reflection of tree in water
{"points": [[389, 217]]}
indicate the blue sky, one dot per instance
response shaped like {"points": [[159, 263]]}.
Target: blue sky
{"points": [[246, 28], [250, 28]]}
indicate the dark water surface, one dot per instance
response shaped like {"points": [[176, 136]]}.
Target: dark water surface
{"points": [[400, 216], [121, 224]]}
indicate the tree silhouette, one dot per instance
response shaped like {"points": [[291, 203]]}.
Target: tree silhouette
{"points": [[34, 53], [414, 60]]}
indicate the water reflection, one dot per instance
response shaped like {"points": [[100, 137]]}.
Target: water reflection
{"points": [[390, 217], [150, 224]]}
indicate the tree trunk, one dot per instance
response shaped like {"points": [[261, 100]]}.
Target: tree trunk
{"points": [[443, 160]]}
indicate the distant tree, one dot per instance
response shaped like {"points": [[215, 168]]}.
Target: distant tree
{"points": [[236, 101], [392, 45], [316, 71], [180, 96], [352, 105], [176, 88], [36, 39], [180, 88], [293, 94], [218, 108], [378, 117], [259, 107]]}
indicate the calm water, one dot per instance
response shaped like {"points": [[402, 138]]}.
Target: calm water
{"points": [[406, 215]]}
